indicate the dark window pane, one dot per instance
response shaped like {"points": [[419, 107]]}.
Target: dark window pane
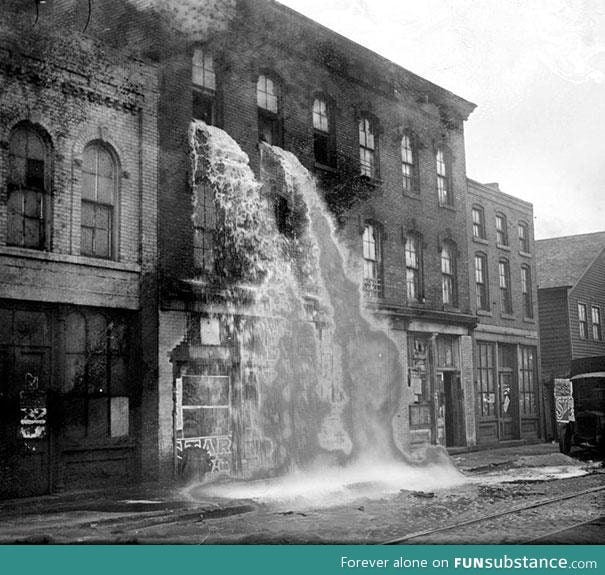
{"points": [[35, 174], [203, 107]]}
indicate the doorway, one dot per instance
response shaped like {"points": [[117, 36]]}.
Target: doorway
{"points": [[451, 409]]}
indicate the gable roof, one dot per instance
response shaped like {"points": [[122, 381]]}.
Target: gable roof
{"points": [[562, 261]]}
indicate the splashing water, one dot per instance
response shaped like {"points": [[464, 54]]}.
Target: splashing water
{"points": [[321, 379]]}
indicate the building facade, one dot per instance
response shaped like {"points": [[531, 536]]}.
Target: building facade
{"points": [[502, 277], [78, 157], [571, 296]]}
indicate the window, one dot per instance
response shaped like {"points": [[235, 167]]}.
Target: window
{"points": [[443, 184], [481, 282], [486, 389], [505, 290], [596, 323], [203, 78], [96, 383], [324, 141], [29, 178], [501, 230], [523, 237], [367, 147], [204, 225], [448, 274], [372, 261], [582, 322], [478, 222], [269, 110], [409, 169], [99, 190], [527, 383], [526, 291], [413, 267]]}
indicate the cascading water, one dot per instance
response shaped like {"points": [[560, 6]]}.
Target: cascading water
{"points": [[320, 378]]}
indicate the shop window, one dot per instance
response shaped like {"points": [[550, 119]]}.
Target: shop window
{"points": [[486, 380], [501, 230], [99, 193], [324, 140], [409, 165], [523, 231], [372, 261], [29, 189], [413, 267], [505, 289], [596, 323], [527, 382], [96, 376], [368, 141], [449, 284], [481, 285], [203, 78], [478, 222], [582, 321], [268, 99], [444, 191], [526, 291]]}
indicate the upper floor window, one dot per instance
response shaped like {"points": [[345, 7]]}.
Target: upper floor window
{"points": [[99, 192], [523, 237], [526, 291], [269, 110], [367, 147], [372, 261], [203, 78], [478, 222], [596, 323], [501, 230], [505, 290], [582, 322], [324, 142], [28, 197], [443, 184], [409, 168], [413, 267], [448, 274], [481, 282], [204, 229]]}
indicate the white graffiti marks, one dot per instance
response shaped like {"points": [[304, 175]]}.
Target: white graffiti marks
{"points": [[218, 448]]}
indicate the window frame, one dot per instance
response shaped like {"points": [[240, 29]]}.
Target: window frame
{"points": [[582, 321], [326, 137], [479, 222], [270, 121], [596, 326], [445, 192], [486, 379], [409, 163], [373, 285], [203, 92], [450, 277], [501, 230], [528, 389], [523, 236], [482, 286], [413, 270], [368, 146], [113, 208], [526, 291], [504, 281], [24, 189]]}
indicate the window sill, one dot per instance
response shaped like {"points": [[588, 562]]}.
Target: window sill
{"points": [[508, 316], [484, 312], [480, 241], [524, 254], [68, 259], [503, 247], [371, 181], [326, 168], [529, 320], [447, 207], [413, 195]]}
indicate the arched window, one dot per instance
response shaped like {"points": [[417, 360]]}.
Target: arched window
{"points": [[481, 283], [449, 284], [99, 193], [324, 141], [409, 166], [524, 237], [269, 110], [413, 267], [501, 230], [478, 222], [368, 145], [372, 260], [505, 290], [29, 182], [203, 78]]}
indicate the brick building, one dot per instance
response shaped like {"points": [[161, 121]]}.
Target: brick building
{"points": [[502, 275], [78, 205], [571, 300]]}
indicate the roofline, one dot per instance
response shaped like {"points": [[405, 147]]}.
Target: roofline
{"points": [[500, 193], [466, 106], [571, 236]]}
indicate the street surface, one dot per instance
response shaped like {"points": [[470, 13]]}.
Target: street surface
{"points": [[365, 517]]}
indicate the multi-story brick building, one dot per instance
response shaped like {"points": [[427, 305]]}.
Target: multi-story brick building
{"points": [[571, 301], [78, 205], [502, 275]]}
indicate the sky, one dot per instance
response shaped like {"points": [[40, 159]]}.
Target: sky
{"points": [[535, 69]]}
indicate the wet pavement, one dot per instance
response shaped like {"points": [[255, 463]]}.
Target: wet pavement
{"points": [[493, 480]]}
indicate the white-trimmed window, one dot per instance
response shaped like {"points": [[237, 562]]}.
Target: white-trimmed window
{"points": [[29, 186], [501, 230], [448, 274], [526, 290], [367, 147], [596, 323], [505, 289], [478, 216], [99, 192], [372, 260], [268, 96], [443, 184], [324, 141], [582, 321], [409, 169], [481, 284], [523, 231], [413, 267], [203, 78]]}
